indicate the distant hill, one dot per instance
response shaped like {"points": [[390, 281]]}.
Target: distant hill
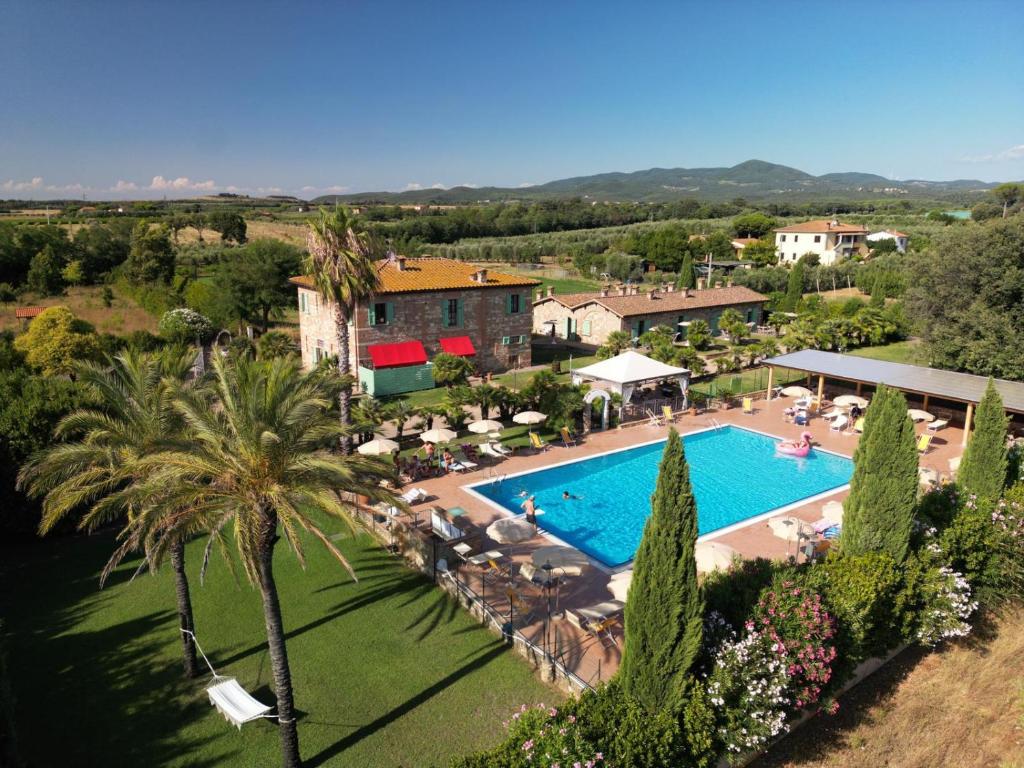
{"points": [[752, 180]]}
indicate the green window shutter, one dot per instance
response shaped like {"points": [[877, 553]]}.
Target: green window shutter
{"points": [[444, 314], [505, 340], [523, 339], [303, 302], [371, 315], [586, 328], [524, 302], [508, 304], [389, 315], [458, 313]]}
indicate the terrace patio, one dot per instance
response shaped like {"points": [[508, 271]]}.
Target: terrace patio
{"points": [[583, 654]]}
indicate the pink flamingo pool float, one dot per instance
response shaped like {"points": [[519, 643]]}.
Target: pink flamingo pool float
{"points": [[799, 448]]}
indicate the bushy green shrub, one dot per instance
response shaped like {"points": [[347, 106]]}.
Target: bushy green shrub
{"points": [[450, 370], [861, 592], [935, 602], [185, 326], [734, 593]]}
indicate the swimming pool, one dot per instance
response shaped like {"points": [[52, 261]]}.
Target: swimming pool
{"points": [[736, 475]]}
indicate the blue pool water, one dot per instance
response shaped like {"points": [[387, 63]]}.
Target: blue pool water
{"points": [[736, 474]]}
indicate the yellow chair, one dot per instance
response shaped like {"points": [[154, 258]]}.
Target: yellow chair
{"points": [[748, 405], [666, 412], [537, 443], [567, 439], [924, 443], [859, 425]]}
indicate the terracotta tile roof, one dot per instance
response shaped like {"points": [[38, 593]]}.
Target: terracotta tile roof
{"points": [[823, 226], [745, 241], [429, 274], [675, 301], [24, 313]]}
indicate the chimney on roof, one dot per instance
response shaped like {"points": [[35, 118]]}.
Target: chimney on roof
{"points": [[700, 283], [604, 292], [622, 290], [652, 294], [399, 262], [728, 283], [551, 290], [480, 276], [834, 223], [686, 292], [669, 288], [540, 294]]}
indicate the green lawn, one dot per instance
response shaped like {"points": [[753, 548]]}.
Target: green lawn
{"points": [[750, 380], [562, 285], [911, 352], [387, 671]]}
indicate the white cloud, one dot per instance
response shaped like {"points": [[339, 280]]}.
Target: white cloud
{"points": [[12, 185], [412, 186], [182, 183], [124, 186], [1013, 153], [335, 189], [467, 184], [526, 184]]}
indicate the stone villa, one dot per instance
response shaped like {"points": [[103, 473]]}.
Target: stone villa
{"points": [[590, 317], [425, 306], [832, 241]]}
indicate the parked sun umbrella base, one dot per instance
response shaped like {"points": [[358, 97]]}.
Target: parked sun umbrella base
{"points": [[510, 530], [564, 561], [483, 426], [438, 436], [790, 528], [378, 447], [618, 584], [848, 401], [918, 415], [713, 556]]}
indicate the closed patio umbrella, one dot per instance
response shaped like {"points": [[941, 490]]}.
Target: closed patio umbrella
{"points": [[438, 436], [790, 528], [378, 447], [510, 530], [848, 401], [713, 556], [483, 426], [796, 392], [918, 415]]}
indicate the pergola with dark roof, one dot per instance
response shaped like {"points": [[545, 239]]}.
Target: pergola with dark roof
{"points": [[929, 382]]}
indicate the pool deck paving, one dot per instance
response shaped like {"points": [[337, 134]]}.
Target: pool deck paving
{"points": [[588, 657]]}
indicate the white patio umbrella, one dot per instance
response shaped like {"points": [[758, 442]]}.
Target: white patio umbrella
{"points": [[796, 392], [529, 417], [918, 415], [377, 447], [618, 584], [510, 530], [565, 561], [790, 528], [483, 426], [848, 401], [713, 556], [438, 436], [833, 512]]}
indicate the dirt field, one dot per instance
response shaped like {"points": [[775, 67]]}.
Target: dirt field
{"points": [[963, 707], [123, 317]]}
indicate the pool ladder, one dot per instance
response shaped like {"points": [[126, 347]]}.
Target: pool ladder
{"points": [[494, 476], [715, 424]]}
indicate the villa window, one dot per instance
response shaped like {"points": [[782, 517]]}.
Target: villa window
{"points": [[817, 238], [514, 304], [380, 313], [796, 238], [451, 313], [782, 238]]}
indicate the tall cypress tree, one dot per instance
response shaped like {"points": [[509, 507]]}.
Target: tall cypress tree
{"points": [[686, 273], [665, 610], [794, 288], [983, 467], [879, 513]]}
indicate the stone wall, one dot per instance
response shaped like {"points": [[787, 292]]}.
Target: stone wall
{"points": [[418, 316]]}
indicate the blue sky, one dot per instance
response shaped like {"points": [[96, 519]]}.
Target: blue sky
{"points": [[147, 99]]}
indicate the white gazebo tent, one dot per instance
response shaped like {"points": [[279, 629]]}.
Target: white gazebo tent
{"points": [[623, 373]]}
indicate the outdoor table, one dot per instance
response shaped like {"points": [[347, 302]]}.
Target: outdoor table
{"points": [[462, 550], [456, 512], [601, 611]]}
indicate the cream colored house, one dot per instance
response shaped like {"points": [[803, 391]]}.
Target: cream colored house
{"points": [[590, 317], [832, 241]]}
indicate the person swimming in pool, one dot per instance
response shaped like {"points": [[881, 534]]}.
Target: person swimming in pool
{"points": [[570, 496]]}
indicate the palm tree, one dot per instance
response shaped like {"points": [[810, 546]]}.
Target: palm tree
{"points": [[344, 274], [259, 464], [134, 418]]}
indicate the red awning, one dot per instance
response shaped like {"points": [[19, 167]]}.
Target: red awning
{"points": [[395, 355], [458, 345]]}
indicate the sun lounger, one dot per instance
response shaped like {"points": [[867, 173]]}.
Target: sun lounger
{"points": [[567, 439], [603, 610], [537, 443], [938, 424], [486, 449], [653, 419], [924, 443], [748, 405], [858, 425], [839, 424], [414, 495], [501, 449], [666, 412]]}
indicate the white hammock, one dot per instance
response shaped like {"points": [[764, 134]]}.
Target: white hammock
{"points": [[229, 697]]}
